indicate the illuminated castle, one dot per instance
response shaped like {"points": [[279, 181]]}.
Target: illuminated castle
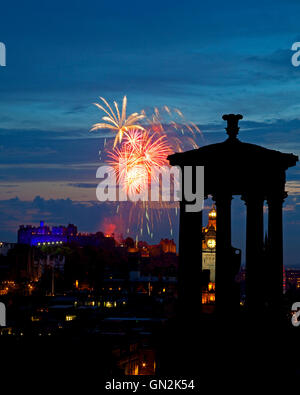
{"points": [[44, 235]]}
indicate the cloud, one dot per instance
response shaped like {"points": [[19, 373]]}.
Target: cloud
{"points": [[14, 212], [83, 185], [89, 216], [73, 157], [92, 216]]}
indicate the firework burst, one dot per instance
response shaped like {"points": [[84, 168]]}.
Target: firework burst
{"points": [[139, 154], [116, 120], [170, 122]]}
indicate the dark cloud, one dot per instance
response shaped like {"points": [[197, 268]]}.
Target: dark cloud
{"points": [[83, 185], [14, 212], [48, 155], [200, 55], [90, 216], [206, 58]]}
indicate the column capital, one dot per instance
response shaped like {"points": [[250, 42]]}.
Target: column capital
{"points": [[276, 197], [221, 197], [252, 198]]}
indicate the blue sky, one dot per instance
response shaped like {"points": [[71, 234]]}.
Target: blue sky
{"points": [[204, 58]]}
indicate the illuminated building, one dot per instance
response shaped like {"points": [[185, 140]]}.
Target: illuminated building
{"points": [[209, 257], [168, 246], [292, 278], [209, 245], [209, 294], [43, 235]]}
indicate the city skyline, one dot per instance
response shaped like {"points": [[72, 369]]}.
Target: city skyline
{"points": [[203, 63], [117, 121]]}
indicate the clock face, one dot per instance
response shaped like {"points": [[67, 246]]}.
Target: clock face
{"points": [[211, 243]]}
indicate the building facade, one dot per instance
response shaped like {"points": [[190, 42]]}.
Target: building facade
{"points": [[45, 235], [209, 258]]}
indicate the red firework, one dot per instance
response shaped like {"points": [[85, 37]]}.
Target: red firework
{"points": [[139, 158]]}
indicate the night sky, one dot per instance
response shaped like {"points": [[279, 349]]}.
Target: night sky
{"points": [[205, 58]]}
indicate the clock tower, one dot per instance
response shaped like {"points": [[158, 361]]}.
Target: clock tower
{"points": [[209, 256]]}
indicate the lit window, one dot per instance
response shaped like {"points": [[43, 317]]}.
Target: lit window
{"points": [[70, 317]]}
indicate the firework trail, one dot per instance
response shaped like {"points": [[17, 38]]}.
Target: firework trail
{"points": [[138, 155], [117, 121], [171, 122], [137, 161]]}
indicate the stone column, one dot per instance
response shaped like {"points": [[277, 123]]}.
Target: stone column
{"points": [[223, 252], [275, 251], [190, 262], [254, 253]]}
